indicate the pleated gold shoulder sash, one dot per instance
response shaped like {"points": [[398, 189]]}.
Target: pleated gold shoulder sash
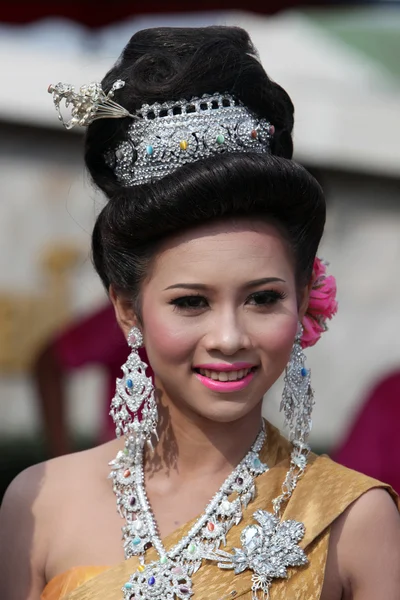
{"points": [[324, 492]]}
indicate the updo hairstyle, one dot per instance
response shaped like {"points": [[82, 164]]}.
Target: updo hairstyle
{"points": [[169, 64]]}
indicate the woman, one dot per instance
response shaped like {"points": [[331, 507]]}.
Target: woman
{"points": [[207, 246]]}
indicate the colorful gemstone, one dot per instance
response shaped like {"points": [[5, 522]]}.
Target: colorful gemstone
{"points": [[132, 340], [239, 480], [220, 139], [132, 501], [141, 568], [256, 463], [177, 571], [149, 150], [127, 473], [129, 383], [271, 130], [184, 589], [192, 548], [136, 541], [163, 560], [210, 526], [183, 145], [126, 451], [304, 372], [151, 580], [128, 585], [254, 134]]}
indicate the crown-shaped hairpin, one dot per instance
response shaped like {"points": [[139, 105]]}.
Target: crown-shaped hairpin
{"points": [[169, 135], [89, 104]]}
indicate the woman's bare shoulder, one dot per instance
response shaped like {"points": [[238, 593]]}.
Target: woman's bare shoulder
{"points": [[31, 505], [365, 546]]}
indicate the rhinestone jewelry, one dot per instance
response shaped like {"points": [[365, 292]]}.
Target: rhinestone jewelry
{"points": [[298, 397], [272, 541], [134, 407], [169, 578], [268, 549], [165, 136], [89, 104]]}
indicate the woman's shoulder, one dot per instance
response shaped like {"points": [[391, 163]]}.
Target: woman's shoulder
{"points": [[42, 488], [56, 475], [30, 515], [365, 546]]}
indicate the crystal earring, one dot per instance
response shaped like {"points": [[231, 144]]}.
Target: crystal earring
{"points": [[298, 397], [134, 408]]}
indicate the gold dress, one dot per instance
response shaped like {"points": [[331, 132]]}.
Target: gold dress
{"points": [[324, 492]]}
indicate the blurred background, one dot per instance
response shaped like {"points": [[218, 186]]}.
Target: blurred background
{"points": [[340, 63]]}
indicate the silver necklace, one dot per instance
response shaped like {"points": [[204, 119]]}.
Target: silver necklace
{"points": [[271, 542]]}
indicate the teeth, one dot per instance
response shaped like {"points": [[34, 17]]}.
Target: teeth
{"points": [[224, 375]]}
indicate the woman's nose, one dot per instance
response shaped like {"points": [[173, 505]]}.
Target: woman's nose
{"points": [[227, 334]]}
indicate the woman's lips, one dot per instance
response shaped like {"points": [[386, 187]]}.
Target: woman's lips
{"points": [[226, 386]]}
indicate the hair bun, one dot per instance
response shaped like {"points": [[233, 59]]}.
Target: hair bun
{"points": [[165, 64]]}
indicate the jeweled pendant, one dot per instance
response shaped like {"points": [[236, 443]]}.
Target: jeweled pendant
{"points": [[162, 580], [268, 549]]}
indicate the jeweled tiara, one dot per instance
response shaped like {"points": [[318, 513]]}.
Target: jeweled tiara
{"points": [[163, 137]]}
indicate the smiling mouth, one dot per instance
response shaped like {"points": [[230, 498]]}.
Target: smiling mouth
{"points": [[225, 375]]}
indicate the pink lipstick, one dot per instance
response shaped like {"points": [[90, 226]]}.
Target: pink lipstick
{"points": [[225, 386]]}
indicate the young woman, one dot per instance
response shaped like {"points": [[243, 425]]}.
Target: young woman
{"points": [[207, 246]]}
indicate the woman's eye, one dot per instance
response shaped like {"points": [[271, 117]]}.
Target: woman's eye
{"points": [[265, 298], [190, 302]]}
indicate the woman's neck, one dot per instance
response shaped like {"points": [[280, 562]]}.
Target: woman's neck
{"points": [[192, 446]]}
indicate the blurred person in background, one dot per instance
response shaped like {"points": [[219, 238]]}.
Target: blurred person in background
{"points": [[94, 340], [371, 445], [207, 246]]}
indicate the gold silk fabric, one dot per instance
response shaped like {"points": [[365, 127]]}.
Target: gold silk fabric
{"points": [[323, 493]]}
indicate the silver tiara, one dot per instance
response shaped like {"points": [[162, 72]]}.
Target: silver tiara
{"points": [[163, 137], [169, 135]]}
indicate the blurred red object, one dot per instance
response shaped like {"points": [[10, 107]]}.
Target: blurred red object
{"points": [[102, 13], [372, 443]]}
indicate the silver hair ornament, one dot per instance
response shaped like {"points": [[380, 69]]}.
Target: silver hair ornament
{"points": [[169, 135], [89, 104]]}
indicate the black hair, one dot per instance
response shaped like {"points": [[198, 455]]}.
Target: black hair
{"points": [[165, 64]]}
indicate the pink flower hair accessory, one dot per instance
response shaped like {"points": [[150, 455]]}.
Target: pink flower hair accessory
{"points": [[322, 304]]}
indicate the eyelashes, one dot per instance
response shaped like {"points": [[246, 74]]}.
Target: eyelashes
{"points": [[194, 302], [266, 297], [197, 302]]}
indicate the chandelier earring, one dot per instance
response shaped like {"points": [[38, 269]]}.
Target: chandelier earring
{"points": [[298, 396], [134, 407]]}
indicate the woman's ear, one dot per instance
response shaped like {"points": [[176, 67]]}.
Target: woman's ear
{"points": [[304, 300], [124, 311]]}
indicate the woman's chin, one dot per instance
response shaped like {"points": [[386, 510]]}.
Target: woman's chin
{"points": [[226, 411]]}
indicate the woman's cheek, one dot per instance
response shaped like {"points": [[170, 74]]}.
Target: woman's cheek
{"points": [[276, 340], [167, 338]]}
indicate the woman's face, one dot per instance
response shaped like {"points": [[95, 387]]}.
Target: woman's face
{"points": [[219, 314]]}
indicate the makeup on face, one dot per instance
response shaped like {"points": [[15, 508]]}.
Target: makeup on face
{"points": [[220, 316], [224, 378]]}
